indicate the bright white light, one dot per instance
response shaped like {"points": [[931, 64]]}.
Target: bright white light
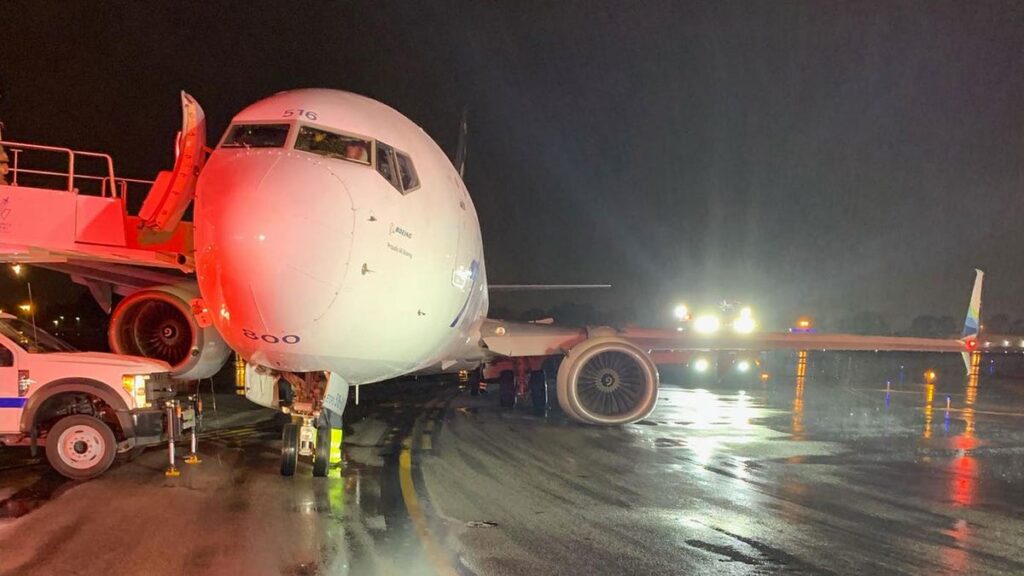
{"points": [[680, 312], [745, 312], [743, 366], [707, 324], [701, 365], [744, 324]]}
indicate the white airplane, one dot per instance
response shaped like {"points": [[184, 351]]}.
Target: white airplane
{"points": [[335, 244]]}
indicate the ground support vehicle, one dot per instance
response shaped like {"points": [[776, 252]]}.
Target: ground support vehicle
{"points": [[87, 408]]}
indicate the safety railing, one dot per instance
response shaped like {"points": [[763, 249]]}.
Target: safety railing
{"points": [[68, 170]]}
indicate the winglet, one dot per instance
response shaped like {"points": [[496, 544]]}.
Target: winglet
{"points": [[972, 324]]}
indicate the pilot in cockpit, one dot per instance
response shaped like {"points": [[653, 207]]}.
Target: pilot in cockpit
{"points": [[357, 151]]}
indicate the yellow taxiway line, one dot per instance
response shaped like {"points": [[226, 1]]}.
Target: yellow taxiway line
{"points": [[440, 560]]}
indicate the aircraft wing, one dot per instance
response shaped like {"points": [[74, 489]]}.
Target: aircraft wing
{"points": [[533, 339], [523, 339]]}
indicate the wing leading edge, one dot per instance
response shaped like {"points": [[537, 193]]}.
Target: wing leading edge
{"points": [[528, 339]]}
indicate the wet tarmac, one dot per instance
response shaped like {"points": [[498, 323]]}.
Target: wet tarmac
{"points": [[794, 475]]}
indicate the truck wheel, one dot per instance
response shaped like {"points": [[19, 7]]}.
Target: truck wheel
{"points": [[507, 389], [80, 447], [322, 455], [289, 449], [539, 392]]}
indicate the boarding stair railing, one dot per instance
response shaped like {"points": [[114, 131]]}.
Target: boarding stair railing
{"points": [[59, 168]]}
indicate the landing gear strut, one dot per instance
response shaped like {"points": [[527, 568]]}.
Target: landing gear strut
{"points": [[319, 402]]}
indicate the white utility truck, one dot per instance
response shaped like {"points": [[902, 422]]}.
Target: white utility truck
{"points": [[85, 408]]}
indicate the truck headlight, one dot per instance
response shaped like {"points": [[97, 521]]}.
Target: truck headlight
{"points": [[135, 386]]}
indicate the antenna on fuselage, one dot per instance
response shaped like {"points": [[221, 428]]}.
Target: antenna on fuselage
{"points": [[460, 151]]}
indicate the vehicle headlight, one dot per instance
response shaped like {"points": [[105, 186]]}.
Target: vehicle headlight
{"points": [[135, 386], [743, 365], [701, 365]]}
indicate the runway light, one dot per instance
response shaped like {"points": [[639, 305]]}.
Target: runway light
{"points": [[744, 324], [743, 366], [681, 312], [25, 307], [701, 365], [707, 324], [803, 323], [929, 376]]}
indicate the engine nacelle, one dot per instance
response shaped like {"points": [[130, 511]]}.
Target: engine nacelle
{"points": [[607, 381], [158, 323]]}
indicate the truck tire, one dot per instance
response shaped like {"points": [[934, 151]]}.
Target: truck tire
{"points": [[289, 449], [80, 447], [507, 389]]}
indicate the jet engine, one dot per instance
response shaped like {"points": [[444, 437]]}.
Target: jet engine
{"points": [[158, 323], [607, 381]]}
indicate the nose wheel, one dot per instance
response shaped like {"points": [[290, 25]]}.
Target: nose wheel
{"points": [[322, 442], [322, 452], [289, 449]]}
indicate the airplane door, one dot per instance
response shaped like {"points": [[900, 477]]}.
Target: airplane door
{"points": [[10, 402]]}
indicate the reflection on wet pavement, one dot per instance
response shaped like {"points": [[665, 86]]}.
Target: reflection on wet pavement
{"points": [[808, 472]]}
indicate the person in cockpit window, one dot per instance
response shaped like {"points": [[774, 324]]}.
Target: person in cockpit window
{"points": [[357, 151]]}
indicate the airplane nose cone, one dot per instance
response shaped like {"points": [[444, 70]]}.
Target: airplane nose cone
{"points": [[273, 239]]}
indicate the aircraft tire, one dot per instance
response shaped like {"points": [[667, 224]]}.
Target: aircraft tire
{"points": [[539, 392], [289, 449], [507, 389], [322, 456]]}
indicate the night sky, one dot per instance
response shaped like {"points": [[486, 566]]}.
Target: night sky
{"points": [[816, 157]]}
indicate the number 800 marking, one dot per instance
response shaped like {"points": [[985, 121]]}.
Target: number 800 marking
{"points": [[270, 338]]}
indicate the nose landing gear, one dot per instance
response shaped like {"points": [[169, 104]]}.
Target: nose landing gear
{"points": [[319, 435]]}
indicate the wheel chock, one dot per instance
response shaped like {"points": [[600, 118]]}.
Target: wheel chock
{"points": [[192, 459], [172, 472]]}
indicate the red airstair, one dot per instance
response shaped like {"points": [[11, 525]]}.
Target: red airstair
{"points": [[60, 205]]}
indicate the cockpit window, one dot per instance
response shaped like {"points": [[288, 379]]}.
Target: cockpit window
{"points": [[407, 172], [256, 136], [386, 164], [324, 143]]}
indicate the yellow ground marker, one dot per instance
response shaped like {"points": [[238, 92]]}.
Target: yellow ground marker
{"points": [[434, 552]]}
